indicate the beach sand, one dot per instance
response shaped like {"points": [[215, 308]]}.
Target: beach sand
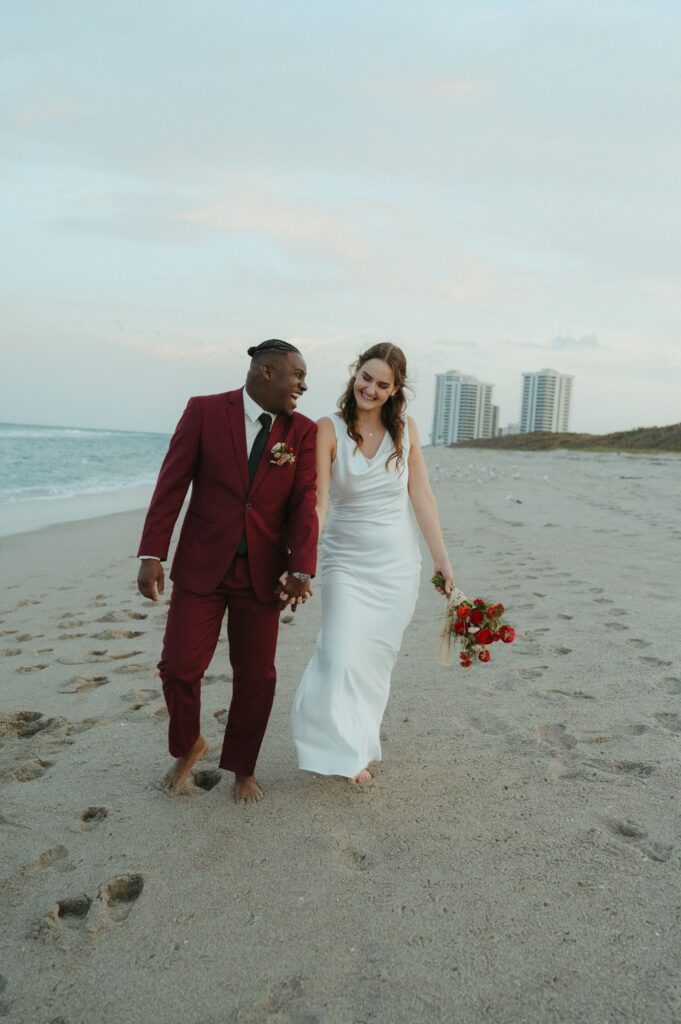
{"points": [[516, 859]]}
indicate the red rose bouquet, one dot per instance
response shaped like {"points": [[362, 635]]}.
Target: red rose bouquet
{"points": [[475, 625]]}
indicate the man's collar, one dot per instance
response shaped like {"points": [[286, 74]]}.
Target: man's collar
{"points": [[253, 410]]}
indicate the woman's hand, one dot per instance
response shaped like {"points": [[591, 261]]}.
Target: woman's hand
{"points": [[444, 568]]}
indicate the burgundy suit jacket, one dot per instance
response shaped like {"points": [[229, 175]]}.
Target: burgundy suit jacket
{"points": [[277, 510]]}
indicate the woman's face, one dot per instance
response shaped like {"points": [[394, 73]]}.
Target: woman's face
{"points": [[374, 384]]}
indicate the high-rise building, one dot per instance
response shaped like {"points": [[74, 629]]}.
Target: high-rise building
{"points": [[463, 408], [546, 402]]}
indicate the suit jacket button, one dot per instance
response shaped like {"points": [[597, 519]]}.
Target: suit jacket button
{"points": [[248, 505]]}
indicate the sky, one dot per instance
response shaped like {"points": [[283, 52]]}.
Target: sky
{"points": [[493, 186]]}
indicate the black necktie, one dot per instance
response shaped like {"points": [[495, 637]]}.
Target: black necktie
{"points": [[259, 443], [254, 461]]}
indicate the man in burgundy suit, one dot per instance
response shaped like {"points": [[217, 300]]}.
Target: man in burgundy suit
{"points": [[248, 545]]}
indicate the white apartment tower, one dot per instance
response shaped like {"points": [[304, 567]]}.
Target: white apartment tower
{"points": [[546, 402], [463, 408]]}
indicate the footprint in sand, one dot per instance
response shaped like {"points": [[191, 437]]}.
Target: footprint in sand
{"points": [[668, 721], [71, 911], [81, 684], [121, 616], [207, 779], [27, 669], [23, 724], [140, 698], [11, 652], [532, 673], [71, 624], [556, 736], [119, 895], [27, 602], [619, 626], [562, 615], [30, 770], [671, 685], [224, 677], [636, 642], [657, 662], [93, 816], [98, 656], [635, 835], [635, 769], [487, 724], [116, 634], [577, 694], [561, 650], [135, 668]]}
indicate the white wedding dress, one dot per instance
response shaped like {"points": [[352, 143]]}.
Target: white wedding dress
{"points": [[369, 580]]}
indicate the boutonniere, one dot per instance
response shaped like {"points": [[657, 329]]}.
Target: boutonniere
{"points": [[282, 454]]}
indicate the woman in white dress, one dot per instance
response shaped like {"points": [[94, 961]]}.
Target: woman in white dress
{"points": [[372, 482]]}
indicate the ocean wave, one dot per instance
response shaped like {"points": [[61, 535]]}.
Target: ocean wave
{"points": [[15, 495], [58, 433]]}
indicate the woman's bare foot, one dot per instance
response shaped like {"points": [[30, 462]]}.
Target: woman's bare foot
{"points": [[246, 790], [363, 776], [175, 779]]}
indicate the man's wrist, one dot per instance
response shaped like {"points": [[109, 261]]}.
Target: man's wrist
{"points": [[302, 577], [149, 558]]}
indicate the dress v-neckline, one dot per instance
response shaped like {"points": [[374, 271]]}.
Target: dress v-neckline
{"points": [[366, 457]]}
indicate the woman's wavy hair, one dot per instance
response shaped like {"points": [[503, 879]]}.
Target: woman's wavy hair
{"points": [[392, 411]]}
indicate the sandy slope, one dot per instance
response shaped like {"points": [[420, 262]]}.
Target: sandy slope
{"points": [[516, 859]]}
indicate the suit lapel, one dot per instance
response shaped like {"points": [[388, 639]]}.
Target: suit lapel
{"points": [[277, 434], [237, 422]]}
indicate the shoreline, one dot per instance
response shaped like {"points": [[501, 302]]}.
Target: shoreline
{"points": [[17, 518], [31, 516]]}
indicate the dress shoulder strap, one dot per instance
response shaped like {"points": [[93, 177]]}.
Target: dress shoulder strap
{"points": [[338, 425]]}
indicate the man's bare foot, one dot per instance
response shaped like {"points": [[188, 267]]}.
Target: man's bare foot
{"points": [[363, 776], [246, 790], [175, 779]]}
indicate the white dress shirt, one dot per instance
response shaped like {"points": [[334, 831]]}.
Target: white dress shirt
{"points": [[253, 425]]}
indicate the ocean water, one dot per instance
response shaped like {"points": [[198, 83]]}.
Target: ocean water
{"points": [[48, 464]]}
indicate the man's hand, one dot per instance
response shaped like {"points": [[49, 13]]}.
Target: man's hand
{"points": [[293, 591], [150, 578]]}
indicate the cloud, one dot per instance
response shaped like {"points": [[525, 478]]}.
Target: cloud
{"points": [[291, 224], [563, 342]]}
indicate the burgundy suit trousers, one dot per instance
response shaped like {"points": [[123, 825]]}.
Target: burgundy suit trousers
{"points": [[191, 636]]}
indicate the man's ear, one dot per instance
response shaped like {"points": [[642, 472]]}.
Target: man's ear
{"points": [[266, 371]]}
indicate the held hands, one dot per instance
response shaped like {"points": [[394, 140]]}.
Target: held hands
{"points": [[150, 580], [443, 578], [293, 592]]}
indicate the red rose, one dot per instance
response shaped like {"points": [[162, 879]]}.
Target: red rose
{"points": [[491, 611], [477, 617], [463, 611], [459, 628], [465, 661], [479, 603], [495, 637], [507, 634], [484, 636], [500, 609], [484, 656]]}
